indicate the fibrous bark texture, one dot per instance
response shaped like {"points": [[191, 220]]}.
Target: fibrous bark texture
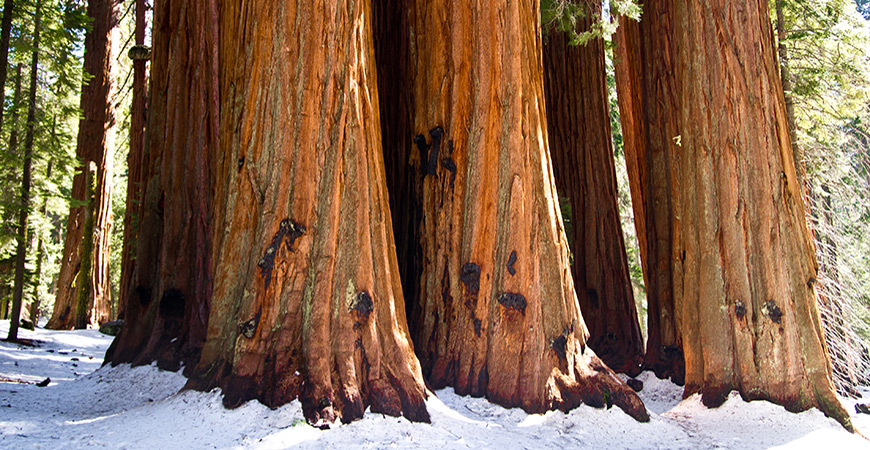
{"points": [[498, 315], [135, 163], [307, 298], [647, 89], [578, 124], [744, 291], [93, 145], [167, 304]]}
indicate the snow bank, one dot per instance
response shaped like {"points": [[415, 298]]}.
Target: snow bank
{"points": [[86, 406]]}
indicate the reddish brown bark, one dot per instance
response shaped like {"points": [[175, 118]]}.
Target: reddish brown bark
{"points": [[93, 145], [578, 124], [307, 298], [744, 287], [135, 163], [498, 315], [167, 302], [648, 105]]}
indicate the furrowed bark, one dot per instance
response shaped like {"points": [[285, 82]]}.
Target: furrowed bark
{"points": [[578, 125], [746, 302], [135, 162], [497, 314], [307, 297], [167, 304], [94, 144], [647, 90]]}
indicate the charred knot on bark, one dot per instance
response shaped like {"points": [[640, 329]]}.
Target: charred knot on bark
{"points": [[241, 163], [512, 300], [559, 344], [512, 259], [144, 294], [286, 229], [429, 152], [592, 297], [248, 328], [363, 304], [470, 277], [772, 311], [739, 309], [171, 305]]}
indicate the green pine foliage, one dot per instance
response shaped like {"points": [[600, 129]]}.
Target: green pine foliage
{"points": [[59, 81]]}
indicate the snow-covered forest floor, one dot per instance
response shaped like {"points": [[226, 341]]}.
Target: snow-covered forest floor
{"points": [[86, 406]]}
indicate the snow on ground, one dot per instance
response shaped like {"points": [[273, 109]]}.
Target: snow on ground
{"points": [[86, 406]]}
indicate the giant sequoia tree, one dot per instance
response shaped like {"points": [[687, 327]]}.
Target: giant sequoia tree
{"points": [[169, 280], [647, 91], [578, 125], [265, 253], [725, 228], [497, 313], [85, 263], [744, 284]]}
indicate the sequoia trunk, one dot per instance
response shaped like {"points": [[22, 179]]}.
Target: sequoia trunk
{"points": [[169, 281], [745, 297], [497, 313], [648, 106], [578, 125], [307, 297], [135, 163], [94, 145]]}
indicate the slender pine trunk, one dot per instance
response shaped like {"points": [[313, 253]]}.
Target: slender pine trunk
{"points": [[21, 250]]}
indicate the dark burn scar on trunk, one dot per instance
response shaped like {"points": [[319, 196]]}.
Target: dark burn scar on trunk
{"points": [[559, 344], [592, 297], [773, 311], [248, 327], [363, 304], [512, 300], [144, 294], [420, 141], [512, 259], [477, 325], [739, 309], [429, 152], [436, 134], [288, 229], [470, 277]]}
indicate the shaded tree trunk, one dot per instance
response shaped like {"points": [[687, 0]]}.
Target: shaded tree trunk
{"points": [[745, 298], [21, 248], [94, 145], [498, 315], [401, 161], [135, 163], [169, 282], [5, 34], [307, 297], [647, 90], [578, 125]]}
